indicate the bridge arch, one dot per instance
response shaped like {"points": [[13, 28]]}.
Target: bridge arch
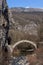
{"points": [[13, 47], [27, 41]]}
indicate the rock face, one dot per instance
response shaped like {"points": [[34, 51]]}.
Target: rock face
{"points": [[4, 28], [20, 61], [0, 4]]}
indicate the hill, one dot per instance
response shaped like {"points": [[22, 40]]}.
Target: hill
{"points": [[29, 24]]}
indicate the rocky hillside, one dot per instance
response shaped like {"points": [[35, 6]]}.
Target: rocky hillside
{"points": [[28, 24]]}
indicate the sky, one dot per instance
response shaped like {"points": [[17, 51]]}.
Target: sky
{"points": [[25, 3]]}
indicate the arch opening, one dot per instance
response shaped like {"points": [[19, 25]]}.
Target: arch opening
{"points": [[24, 47]]}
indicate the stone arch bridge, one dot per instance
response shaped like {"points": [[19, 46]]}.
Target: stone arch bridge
{"points": [[19, 42]]}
